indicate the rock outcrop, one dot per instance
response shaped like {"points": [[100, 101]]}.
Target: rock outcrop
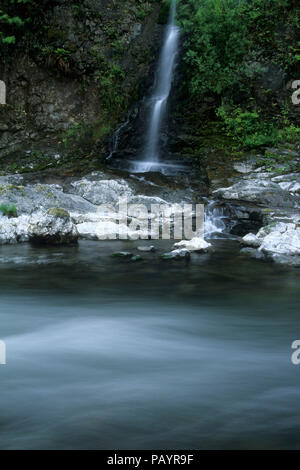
{"points": [[75, 81], [54, 227], [275, 199]]}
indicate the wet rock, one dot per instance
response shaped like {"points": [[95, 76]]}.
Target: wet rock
{"points": [[13, 230], [285, 242], [253, 253], [289, 182], [259, 191], [177, 255], [279, 242], [105, 229], [195, 244], [147, 248], [103, 191], [251, 240], [35, 197], [244, 167], [53, 227]]}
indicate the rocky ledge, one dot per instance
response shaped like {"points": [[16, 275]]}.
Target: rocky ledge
{"points": [[266, 206], [85, 208]]}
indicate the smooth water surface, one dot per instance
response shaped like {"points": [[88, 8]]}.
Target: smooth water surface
{"points": [[103, 353]]}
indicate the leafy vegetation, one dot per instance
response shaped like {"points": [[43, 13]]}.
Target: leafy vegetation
{"points": [[18, 16], [223, 35], [8, 210], [229, 46]]}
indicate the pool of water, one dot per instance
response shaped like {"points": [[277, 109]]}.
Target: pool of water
{"points": [[104, 353]]}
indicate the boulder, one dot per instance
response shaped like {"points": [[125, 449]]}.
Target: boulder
{"points": [[103, 191], [283, 243], [195, 244], [251, 240], [54, 227]]}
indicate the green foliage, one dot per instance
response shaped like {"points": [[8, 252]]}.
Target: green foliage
{"points": [[118, 47], [222, 33], [110, 77], [8, 210], [216, 45], [249, 129], [73, 136], [15, 16], [143, 11], [58, 58], [246, 127], [274, 162], [228, 47]]}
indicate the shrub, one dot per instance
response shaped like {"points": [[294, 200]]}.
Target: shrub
{"points": [[247, 128], [220, 34], [8, 210]]}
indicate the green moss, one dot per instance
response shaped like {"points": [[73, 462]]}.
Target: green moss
{"points": [[10, 187], [58, 212]]}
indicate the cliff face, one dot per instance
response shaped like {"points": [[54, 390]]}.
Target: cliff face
{"points": [[70, 83]]}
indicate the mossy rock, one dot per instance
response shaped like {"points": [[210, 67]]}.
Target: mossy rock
{"points": [[58, 212]]}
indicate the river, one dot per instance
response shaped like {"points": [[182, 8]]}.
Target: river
{"points": [[103, 353]]}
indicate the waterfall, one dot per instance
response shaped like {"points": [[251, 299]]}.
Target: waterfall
{"points": [[115, 142], [217, 222], [159, 99], [214, 220], [163, 87]]}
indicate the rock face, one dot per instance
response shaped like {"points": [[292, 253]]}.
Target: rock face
{"points": [[53, 228], [276, 201], [89, 208], [91, 54], [265, 190]]}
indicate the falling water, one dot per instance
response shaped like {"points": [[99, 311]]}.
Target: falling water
{"points": [[161, 94], [115, 142], [217, 221]]}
